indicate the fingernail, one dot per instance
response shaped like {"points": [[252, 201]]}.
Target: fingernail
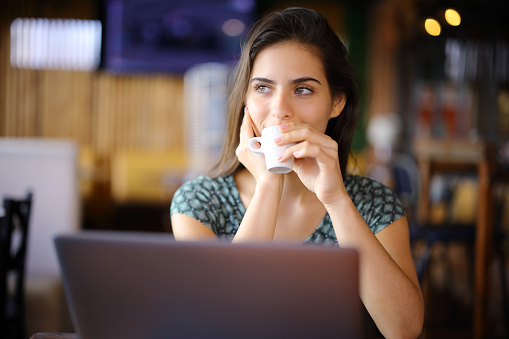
{"points": [[279, 157], [283, 127], [277, 140], [296, 154]]}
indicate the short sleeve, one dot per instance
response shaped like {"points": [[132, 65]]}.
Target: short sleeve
{"points": [[193, 200], [378, 205], [213, 202]]}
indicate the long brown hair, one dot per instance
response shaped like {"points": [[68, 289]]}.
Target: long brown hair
{"points": [[307, 27]]}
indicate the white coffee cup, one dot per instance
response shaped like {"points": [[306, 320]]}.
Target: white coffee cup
{"points": [[271, 151]]}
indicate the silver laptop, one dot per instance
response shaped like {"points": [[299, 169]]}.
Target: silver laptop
{"points": [[146, 285]]}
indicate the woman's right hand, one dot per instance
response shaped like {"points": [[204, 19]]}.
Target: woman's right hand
{"points": [[253, 162], [262, 204]]}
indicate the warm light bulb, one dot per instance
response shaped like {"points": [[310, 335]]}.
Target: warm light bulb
{"points": [[452, 17], [432, 27]]}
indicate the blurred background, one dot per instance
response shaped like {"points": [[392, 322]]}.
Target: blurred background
{"points": [[107, 106]]}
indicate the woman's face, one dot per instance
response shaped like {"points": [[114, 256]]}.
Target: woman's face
{"points": [[288, 84]]}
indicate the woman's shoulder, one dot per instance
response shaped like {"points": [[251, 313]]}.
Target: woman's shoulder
{"points": [[377, 203], [204, 192], [356, 183], [207, 183], [361, 188]]}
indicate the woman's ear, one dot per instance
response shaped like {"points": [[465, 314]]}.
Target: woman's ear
{"points": [[338, 105]]}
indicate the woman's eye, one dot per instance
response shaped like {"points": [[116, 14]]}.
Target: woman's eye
{"points": [[303, 90], [261, 88]]}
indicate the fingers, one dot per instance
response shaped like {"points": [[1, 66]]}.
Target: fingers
{"points": [[311, 150], [296, 132], [246, 129], [246, 133], [309, 143]]}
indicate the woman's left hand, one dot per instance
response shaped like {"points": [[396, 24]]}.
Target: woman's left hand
{"points": [[316, 160]]}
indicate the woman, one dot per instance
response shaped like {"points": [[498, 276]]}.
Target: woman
{"points": [[294, 73]]}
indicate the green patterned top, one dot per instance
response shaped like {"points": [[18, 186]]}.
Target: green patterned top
{"points": [[216, 204]]}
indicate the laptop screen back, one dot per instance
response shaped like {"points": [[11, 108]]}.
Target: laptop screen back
{"points": [[138, 285]]}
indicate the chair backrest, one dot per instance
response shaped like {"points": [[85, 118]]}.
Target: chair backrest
{"points": [[48, 168], [14, 228], [406, 180]]}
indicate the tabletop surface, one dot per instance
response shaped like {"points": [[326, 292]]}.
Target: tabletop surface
{"points": [[55, 336]]}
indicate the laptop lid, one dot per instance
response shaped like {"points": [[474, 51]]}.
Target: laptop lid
{"points": [[146, 285]]}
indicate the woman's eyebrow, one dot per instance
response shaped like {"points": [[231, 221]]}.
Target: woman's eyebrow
{"points": [[265, 80], [303, 79], [290, 82]]}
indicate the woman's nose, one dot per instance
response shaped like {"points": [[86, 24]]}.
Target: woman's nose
{"points": [[281, 107]]}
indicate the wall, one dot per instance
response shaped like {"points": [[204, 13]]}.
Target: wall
{"points": [[102, 112]]}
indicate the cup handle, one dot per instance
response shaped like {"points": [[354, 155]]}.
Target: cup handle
{"points": [[251, 144]]}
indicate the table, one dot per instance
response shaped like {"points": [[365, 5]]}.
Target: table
{"points": [[54, 336], [75, 336], [464, 156]]}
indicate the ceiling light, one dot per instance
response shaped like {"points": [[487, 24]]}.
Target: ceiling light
{"points": [[452, 17], [432, 27]]}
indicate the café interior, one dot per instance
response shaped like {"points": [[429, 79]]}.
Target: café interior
{"points": [[108, 106]]}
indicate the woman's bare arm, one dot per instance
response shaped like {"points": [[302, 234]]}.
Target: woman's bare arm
{"points": [[389, 287], [186, 228]]}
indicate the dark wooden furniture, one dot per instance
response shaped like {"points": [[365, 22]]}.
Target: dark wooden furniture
{"points": [[54, 336], [464, 156], [13, 245]]}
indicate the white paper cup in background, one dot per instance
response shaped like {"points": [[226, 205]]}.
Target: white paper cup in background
{"points": [[271, 151]]}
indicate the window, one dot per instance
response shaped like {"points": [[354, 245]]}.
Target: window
{"points": [[69, 44]]}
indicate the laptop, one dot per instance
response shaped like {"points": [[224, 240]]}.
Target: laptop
{"points": [[135, 285]]}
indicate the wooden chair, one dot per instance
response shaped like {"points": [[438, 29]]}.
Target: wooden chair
{"points": [[463, 157], [13, 244]]}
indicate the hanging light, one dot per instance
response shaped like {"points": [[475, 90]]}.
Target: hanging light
{"points": [[452, 17], [432, 27]]}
